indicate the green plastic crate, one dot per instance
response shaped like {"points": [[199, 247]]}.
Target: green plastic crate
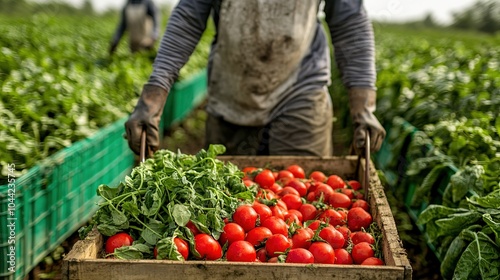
{"points": [[391, 158], [59, 195], [183, 98]]}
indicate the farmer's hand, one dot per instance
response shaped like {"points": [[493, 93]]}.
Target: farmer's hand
{"points": [[147, 114], [362, 105]]}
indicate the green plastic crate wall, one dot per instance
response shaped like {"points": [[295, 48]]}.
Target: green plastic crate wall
{"points": [[183, 98], [58, 195]]}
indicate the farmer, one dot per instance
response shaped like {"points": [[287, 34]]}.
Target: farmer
{"points": [[140, 18], [268, 72]]}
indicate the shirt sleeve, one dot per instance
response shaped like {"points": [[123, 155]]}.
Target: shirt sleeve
{"points": [[184, 29], [353, 41], [152, 10], [121, 28]]}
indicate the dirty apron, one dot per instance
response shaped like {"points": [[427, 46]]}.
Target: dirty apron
{"points": [[260, 44], [140, 27]]}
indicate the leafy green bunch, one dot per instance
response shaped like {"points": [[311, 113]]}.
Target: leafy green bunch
{"points": [[470, 236], [166, 192]]}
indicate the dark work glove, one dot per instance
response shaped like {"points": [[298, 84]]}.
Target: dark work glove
{"points": [[147, 114], [362, 105]]}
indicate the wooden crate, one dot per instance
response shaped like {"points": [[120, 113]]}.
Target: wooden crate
{"points": [[82, 262]]}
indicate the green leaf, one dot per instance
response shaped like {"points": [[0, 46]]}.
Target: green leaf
{"points": [[119, 218], [449, 263], [466, 180], [167, 250], [143, 248], [181, 214], [492, 200], [497, 125], [131, 208], [107, 229], [434, 212], [480, 260], [495, 227], [128, 253], [153, 232], [215, 149], [106, 192]]}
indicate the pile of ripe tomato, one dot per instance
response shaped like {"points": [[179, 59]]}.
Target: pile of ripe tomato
{"points": [[294, 219]]}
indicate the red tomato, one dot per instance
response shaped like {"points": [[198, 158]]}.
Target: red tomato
{"points": [[311, 196], [258, 235], [318, 176], [308, 211], [297, 213], [357, 218], [313, 185], [207, 247], [249, 169], [323, 190], [182, 246], [346, 233], [335, 182], [262, 255], [360, 236], [275, 175], [232, 232], [273, 260], [315, 225], [263, 211], [191, 226], [288, 190], [299, 255], [302, 238], [118, 240], [245, 216], [361, 252], [299, 186], [342, 256], [276, 188], [277, 243], [372, 261], [339, 200], [333, 237], [362, 204], [292, 201], [241, 251], [282, 205], [333, 217], [291, 218], [278, 212], [297, 171], [265, 194], [348, 192], [265, 179], [322, 252], [285, 176], [276, 225], [248, 182], [355, 185]]}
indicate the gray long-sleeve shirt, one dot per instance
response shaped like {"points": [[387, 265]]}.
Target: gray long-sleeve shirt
{"points": [[351, 34]]}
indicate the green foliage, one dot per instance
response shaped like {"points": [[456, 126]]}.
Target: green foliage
{"points": [[58, 84], [155, 203]]}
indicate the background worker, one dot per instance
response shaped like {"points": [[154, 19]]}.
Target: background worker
{"points": [[268, 72], [140, 18]]}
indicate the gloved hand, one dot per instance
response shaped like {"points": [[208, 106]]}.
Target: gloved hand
{"points": [[362, 105], [147, 114]]}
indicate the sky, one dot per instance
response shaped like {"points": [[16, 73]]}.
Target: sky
{"points": [[387, 10]]}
